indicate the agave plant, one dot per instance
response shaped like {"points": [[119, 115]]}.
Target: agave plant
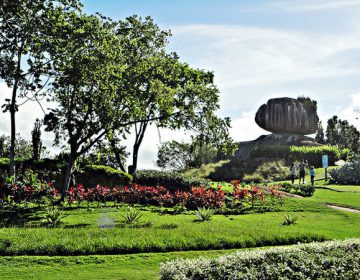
{"points": [[53, 217], [348, 173], [289, 220], [204, 214], [131, 215]]}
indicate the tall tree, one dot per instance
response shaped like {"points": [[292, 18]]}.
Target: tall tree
{"points": [[88, 65], [320, 135], [341, 133], [36, 140], [24, 59], [166, 92]]}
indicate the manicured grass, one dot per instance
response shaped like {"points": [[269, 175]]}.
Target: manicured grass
{"points": [[139, 266], [100, 231], [344, 188], [347, 199]]}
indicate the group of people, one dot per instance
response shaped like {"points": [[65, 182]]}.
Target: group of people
{"points": [[302, 172]]}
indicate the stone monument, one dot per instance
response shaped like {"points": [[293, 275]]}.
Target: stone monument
{"points": [[288, 119]]}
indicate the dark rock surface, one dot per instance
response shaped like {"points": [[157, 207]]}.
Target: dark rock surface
{"points": [[245, 148], [287, 115]]}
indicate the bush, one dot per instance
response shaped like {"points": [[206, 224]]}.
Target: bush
{"points": [[171, 180], [93, 174], [329, 260], [204, 214], [294, 153], [269, 171], [303, 190], [348, 174]]}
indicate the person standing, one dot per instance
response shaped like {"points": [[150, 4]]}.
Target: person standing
{"points": [[292, 172], [312, 175], [302, 166]]}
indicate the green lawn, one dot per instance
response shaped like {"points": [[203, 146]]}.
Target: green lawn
{"points": [[99, 232], [138, 266]]}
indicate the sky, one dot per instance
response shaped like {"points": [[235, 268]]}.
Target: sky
{"points": [[257, 49]]}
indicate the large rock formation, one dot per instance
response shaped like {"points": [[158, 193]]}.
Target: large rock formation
{"points": [[287, 115]]}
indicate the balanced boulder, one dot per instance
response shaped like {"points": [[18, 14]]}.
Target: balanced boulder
{"points": [[287, 115]]}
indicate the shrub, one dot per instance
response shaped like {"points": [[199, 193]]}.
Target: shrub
{"points": [[289, 220], [53, 217], [347, 174], [269, 171], [171, 180], [131, 215], [204, 214], [294, 153], [303, 190], [329, 260], [93, 174]]}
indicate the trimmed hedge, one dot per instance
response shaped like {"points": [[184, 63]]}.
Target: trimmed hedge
{"points": [[104, 175], [294, 153], [328, 260], [171, 180]]}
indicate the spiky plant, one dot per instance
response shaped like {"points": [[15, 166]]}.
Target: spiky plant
{"points": [[204, 214], [131, 215]]}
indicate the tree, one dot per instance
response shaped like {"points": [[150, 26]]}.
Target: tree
{"points": [[174, 155], [36, 140], [88, 65], [320, 136], [167, 93], [23, 148], [180, 156], [25, 65], [341, 133]]}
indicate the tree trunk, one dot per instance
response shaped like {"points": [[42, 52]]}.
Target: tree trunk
{"points": [[133, 168], [69, 171], [12, 136], [117, 155]]}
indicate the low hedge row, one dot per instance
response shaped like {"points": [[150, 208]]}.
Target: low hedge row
{"points": [[329, 260], [293, 153], [171, 180]]}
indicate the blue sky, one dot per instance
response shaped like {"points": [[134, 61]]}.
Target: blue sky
{"points": [[258, 50]]}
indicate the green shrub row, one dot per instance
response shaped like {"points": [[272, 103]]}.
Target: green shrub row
{"points": [[294, 153], [329, 260], [171, 180], [306, 190]]}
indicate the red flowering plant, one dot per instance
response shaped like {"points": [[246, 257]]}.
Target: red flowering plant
{"points": [[101, 193], [276, 195], [256, 194], [165, 200]]}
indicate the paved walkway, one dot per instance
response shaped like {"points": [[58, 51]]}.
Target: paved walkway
{"points": [[343, 208]]}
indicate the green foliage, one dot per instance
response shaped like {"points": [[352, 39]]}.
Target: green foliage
{"points": [[23, 148], [204, 214], [289, 220], [305, 190], [170, 180], [330, 260], [308, 102], [36, 140], [180, 156], [343, 135], [205, 170], [53, 217], [294, 153], [269, 171], [320, 135], [347, 174], [132, 215]]}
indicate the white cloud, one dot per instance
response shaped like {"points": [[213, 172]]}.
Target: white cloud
{"points": [[308, 6], [351, 113]]}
